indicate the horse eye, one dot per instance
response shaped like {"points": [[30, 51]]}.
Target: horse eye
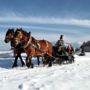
{"points": [[18, 32], [6, 36]]}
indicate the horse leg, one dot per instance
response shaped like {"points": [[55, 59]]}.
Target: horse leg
{"points": [[49, 62], [29, 63], [27, 59], [43, 61], [23, 64], [38, 60], [15, 62]]}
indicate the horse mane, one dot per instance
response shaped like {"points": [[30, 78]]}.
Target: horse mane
{"points": [[34, 38], [27, 34], [10, 31], [23, 31]]}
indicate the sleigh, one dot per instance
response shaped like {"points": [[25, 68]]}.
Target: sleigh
{"points": [[66, 56]]}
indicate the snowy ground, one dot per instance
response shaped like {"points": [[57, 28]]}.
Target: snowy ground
{"points": [[74, 76]]}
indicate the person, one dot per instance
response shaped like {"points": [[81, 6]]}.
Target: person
{"points": [[60, 42], [82, 47], [60, 45]]}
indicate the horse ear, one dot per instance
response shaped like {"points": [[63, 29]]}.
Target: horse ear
{"points": [[20, 28], [13, 29], [29, 33], [16, 29], [8, 29]]}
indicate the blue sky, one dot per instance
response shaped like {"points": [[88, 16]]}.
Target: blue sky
{"points": [[49, 18]]}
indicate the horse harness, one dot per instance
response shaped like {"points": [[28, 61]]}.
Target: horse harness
{"points": [[37, 46]]}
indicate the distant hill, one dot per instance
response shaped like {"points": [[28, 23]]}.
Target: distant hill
{"points": [[87, 46], [87, 43]]}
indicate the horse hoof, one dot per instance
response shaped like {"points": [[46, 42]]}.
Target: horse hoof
{"points": [[14, 66], [32, 66], [50, 65], [28, 65], [23, 65]]}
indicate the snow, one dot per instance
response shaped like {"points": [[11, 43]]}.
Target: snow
{"points": [[74, 76]]}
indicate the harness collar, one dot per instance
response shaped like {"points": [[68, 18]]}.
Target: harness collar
{"points": [[29, 42]]}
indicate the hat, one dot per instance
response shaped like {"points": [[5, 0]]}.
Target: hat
{"points": [[61, 36]]}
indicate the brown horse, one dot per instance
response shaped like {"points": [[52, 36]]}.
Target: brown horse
{"points": [[32, 47], [9, 37]]}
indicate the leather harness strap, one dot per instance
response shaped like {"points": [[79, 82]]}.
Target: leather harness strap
{"points": [[32, 45], [46, 46], [29, 41], [37, 44]]}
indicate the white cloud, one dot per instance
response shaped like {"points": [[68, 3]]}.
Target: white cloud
{"points": [[52, 30], [45, 20], [12, 17]]}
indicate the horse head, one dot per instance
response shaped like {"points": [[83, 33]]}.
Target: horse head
{"points": [[9, 35], [21, 36]]}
